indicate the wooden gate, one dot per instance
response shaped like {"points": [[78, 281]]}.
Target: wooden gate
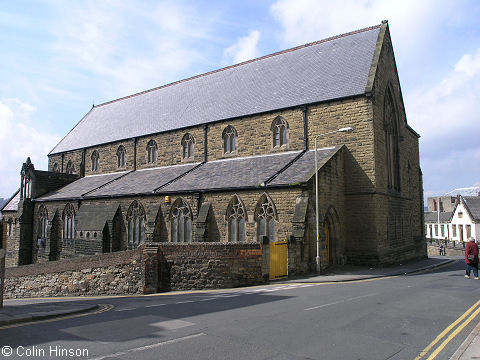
{"points": [[278, 259]]}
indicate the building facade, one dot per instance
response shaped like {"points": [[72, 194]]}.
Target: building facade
{"points": [[458, 224], [228, 156]]}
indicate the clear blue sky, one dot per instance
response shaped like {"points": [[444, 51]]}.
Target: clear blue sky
{"points": [[59, 57]]}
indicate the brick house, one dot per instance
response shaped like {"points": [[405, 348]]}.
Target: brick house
{"points": [[228, 156]]}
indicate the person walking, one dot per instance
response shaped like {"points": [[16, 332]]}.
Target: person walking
{"points": [[471, 258]]}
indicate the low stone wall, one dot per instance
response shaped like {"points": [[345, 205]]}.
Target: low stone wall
{"points": [[2, 274], [150, 268], [451, 248], [106, 274], [209, 265]]}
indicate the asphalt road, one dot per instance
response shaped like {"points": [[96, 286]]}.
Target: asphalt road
{"points": [[387, 318]]}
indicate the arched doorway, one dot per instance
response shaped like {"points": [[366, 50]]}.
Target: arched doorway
{"points": [[334, 247]]}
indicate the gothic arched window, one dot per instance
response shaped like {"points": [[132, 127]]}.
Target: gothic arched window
{"points": [[181, 221], [391, 141], [279, 132], [68, 222], [229, 137], [70, 169], [236, 215], [136, 225], [55, 168], [42, 222], [121, 157], [265, 215], [187, 146], [95, 161], [152, 151]]}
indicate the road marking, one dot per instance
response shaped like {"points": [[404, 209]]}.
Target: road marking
{"points": [[184, 302], [101, 308], [209, 299], [148, 347], [126, 309], [341, 301], [452, 335], [149, 306]]}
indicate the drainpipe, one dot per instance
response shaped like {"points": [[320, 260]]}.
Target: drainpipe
{"points": [[83, 163], [205, 154], [62, 161], [305, 127], [134, 140]]}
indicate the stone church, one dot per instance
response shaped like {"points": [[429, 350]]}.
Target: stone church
{"points": [[229, 157]]}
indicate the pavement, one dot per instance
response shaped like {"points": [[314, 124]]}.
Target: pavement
{"points": [[470, 348]]}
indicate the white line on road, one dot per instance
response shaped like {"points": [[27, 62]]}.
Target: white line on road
{"points": [[184, 302], [148, 347], [126, 309], [341, 301], [154, 305]]}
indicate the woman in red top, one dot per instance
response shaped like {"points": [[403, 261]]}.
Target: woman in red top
{"points": [[471, 258]]}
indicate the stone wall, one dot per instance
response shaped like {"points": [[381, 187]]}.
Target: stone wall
{"points": [[107, 274], [451, 248], [209, 265], [150, 268]]}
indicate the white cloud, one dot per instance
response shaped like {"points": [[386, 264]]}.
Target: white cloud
{"points": [[18, 140], [448, 114], [129, 46], [244, 49]]}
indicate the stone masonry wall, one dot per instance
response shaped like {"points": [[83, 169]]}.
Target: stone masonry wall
{"points": [[209, 265], [108, 274]]}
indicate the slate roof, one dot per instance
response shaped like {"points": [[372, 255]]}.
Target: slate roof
{"points": [[261, 171], [468, 191], [142, 181], [304, 167], [94, 216], [329, 69], [431, 216], [473, 206], [249, 171], [12, 204], [80, 187]]}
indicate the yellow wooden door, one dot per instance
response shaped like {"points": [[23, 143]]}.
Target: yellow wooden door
{"points": [[278, 259]]}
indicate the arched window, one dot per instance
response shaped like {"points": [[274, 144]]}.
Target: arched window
{"points": [[391, 141], [181, 221], [265, 215], [279, 132], [152, 151], [121, 157], [229, 137], [10, 225], [136, 225], [95, 160], [68, 223], [236, 220], [70, 169], [27, 187], [187, 146], [56, 168], [42, 222]]}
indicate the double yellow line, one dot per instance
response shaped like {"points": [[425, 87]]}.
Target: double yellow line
{"points": [[471, 313]]}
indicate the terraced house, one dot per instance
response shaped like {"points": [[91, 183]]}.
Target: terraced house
{"points": [[229, 157]]}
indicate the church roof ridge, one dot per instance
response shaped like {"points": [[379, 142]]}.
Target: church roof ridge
{"points": [[295, 48]]}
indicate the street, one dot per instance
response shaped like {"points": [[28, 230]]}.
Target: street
{"points": [[386, 318]]}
